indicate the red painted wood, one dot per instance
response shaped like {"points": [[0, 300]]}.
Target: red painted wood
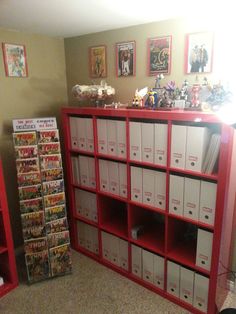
{"points": [[168, 243]]}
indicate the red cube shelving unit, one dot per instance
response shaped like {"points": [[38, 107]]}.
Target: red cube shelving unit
{"points": [[165, 235], [7, 256]]}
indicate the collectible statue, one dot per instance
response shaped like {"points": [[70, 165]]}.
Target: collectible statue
{"points": [[152, 99], [138, 97]]}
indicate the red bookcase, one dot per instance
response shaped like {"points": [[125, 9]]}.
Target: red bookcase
{"points": [[7, 257], [165, 235]]}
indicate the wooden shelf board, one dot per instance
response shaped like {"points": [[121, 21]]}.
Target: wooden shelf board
{"points": [[116, 227], [146, 164], [195, 173], [194, 222], [144, 206], [116, 197], [82, 187], [88, 221]]}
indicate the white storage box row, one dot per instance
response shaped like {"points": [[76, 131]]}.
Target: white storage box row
{"points": [[187, 285], [81, 132], [148, 142], [86, 204], [148, 187], [193, 198], [83, 171], [113, 177], [88, 237], [115, 250]]}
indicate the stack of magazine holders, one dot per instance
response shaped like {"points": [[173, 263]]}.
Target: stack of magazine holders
{"points": [[42, 203]]}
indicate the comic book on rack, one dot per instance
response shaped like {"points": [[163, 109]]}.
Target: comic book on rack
{"points": [[30, 192], [49, 148], [53, 187], [60, 238], [50, 161], [30, 206], [52, 174], [37, 266], [60, 260], [26, 151], [36, 245], [54, 199], [33, 225], [56, 226], [48, 136], [54, 213], [27, 165], [25, 138], [31, 178]]}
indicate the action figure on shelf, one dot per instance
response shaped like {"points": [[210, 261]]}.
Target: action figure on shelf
{"points": [[195, 102], [138, 97], [152, 99]]}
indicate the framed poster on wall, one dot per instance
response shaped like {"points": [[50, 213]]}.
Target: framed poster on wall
{"points": [[159, 55], [98, 61], [125, 59], [15, 62]]}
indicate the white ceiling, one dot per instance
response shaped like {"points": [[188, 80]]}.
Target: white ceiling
{"points": [[68, 18]]}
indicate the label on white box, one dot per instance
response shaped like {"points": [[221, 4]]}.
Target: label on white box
{"points": [[92, 174], [207, 202], [123, 246], [111, 138], [191, 198], [123, 179], [204, 249], [89, 135], [121, 139], [113, 171], [148, 186], [197, 142], [104, 176], [160, 144], [178, 146], [147, 266], [84, 170], [136, 184], [201, 287], [81, 131], [176, 197], [147, 140], [158, 271], [135, 140], [186, 285], [102, 135], [173, 278], [160, 190], [136, 254], [73, 132]]}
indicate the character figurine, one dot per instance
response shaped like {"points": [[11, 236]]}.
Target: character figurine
{"points": [[152, 99], [138, 97], [195, 102]]}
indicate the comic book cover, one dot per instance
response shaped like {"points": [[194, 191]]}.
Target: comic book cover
{"points": [[54, 199], [36, 245], [60, 260], [60, 238], [53, 187], [49, 148], [29, 192], [37, 265], [27, 165], [30, 206], [33, 225], [54, 213], [26, 151], [25, 138], [31, 178], [52, 174], [50, 161], [57, 225], [48, 136]]}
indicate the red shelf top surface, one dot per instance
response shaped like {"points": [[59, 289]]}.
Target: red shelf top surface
{"points": [[116, 197], [88, 221], [195, 173], [116, 227], [194, 222], [82, 187], [144, 206]]}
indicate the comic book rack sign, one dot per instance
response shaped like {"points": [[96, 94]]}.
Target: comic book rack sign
{"points": [[42, 198]]}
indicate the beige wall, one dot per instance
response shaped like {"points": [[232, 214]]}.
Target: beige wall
{"points": [[40, 94], [76, 49]]}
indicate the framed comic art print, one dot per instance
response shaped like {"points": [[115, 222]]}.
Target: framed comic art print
{"points": [[98, 61], [15, 62], [159, 55], [125, 59], [198, 53]]}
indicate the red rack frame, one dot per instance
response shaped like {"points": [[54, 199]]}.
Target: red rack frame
{"points": [[225, 179], [7, 256]]}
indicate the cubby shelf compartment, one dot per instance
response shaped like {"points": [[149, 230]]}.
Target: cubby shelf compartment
{"points": [[164, 237], [87, 221], [113, 216]]}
